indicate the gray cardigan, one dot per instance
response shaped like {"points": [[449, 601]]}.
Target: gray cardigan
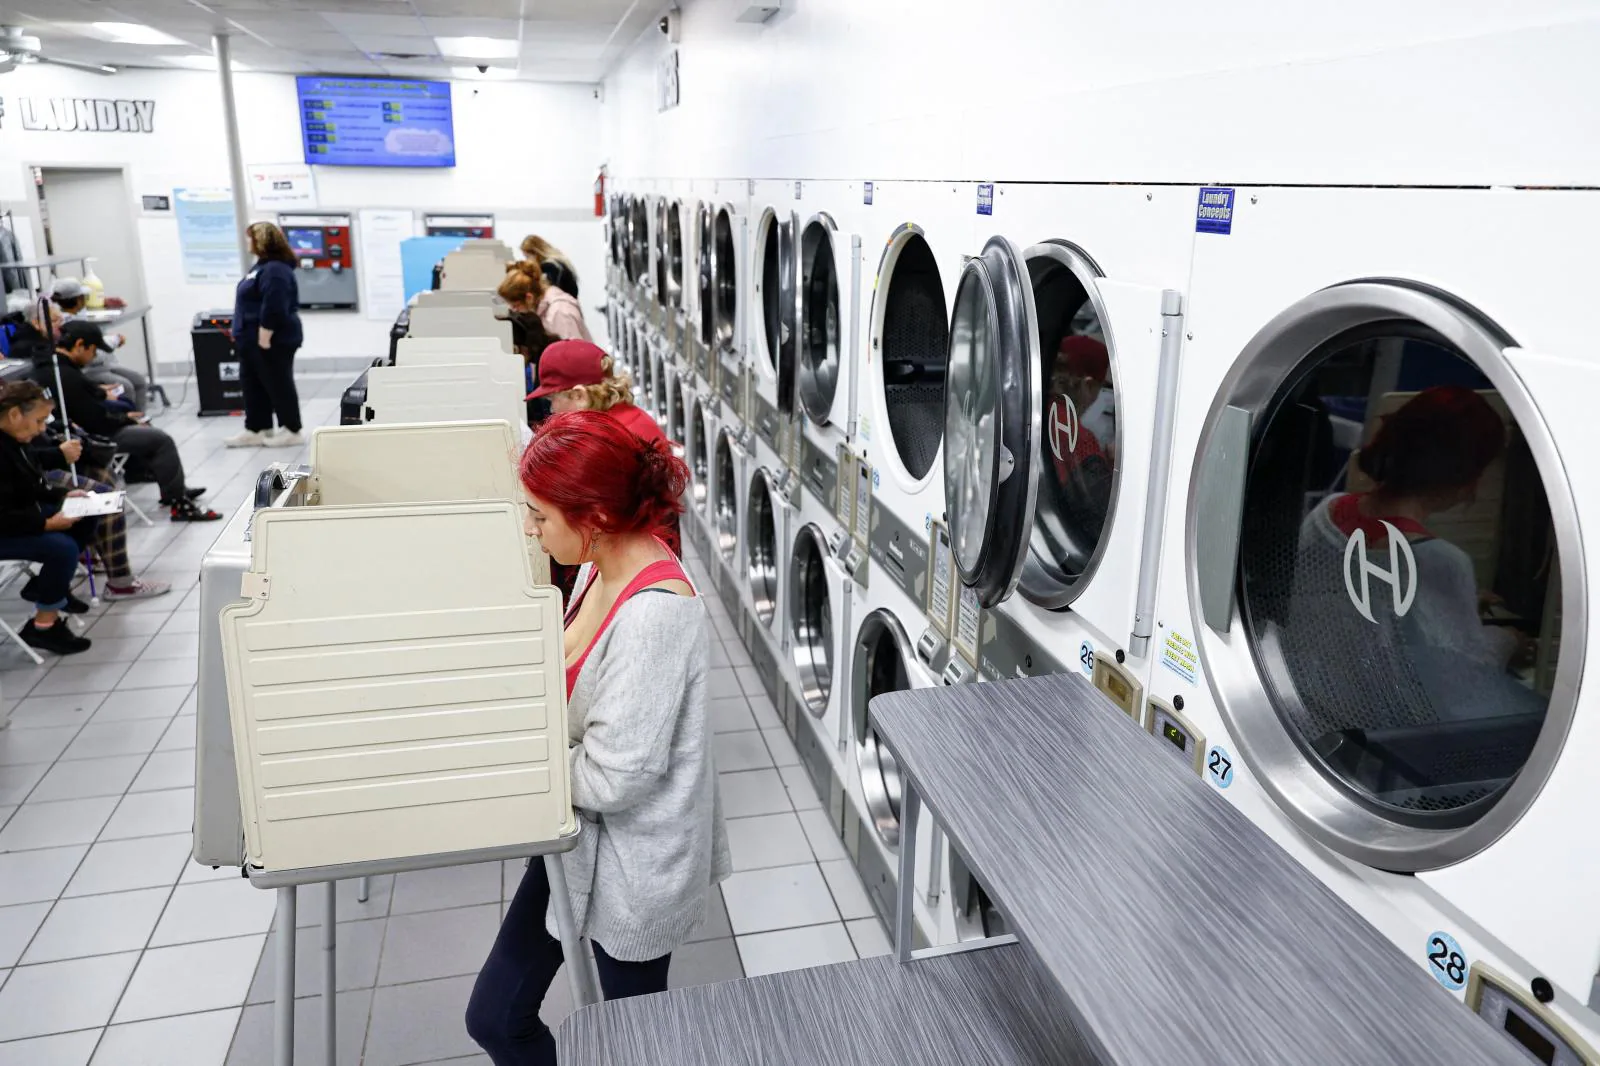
{"points": [[653, 841]]}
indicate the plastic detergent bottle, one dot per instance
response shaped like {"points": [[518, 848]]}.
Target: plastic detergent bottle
{"points": [[97, 289]]}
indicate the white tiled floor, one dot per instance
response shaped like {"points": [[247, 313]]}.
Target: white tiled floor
{"points": [[116, 950]]}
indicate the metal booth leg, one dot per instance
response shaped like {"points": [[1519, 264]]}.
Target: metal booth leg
{"points": [[579, 973], [363, 889], [906, 891], [283, 1008], [330, 973]]}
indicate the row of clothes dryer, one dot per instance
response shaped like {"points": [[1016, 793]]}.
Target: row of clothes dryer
{"points": [[1298, 477]]}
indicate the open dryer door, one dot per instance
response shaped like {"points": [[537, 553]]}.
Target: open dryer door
{"points": [[724, 280], [819, 353], [705, 244], [992, 406], [788, 311]]}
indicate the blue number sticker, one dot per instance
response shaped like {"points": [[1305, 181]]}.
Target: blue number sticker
{"points": [[1446, 961], [875, 479], [1086, 657], [927, 521], [866, 193], [986, 199], [1219, 765]]}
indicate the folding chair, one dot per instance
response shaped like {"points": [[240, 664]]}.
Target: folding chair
{"points": [[119, 481], [10, 570]]}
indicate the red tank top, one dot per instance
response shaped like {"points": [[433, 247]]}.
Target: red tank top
{"points": [[661, 570]]}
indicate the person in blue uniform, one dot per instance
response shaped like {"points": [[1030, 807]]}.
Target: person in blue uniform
{"points": [[266, 336]]}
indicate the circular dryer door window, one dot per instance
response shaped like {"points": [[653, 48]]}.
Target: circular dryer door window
{"points": [[1406, 551], [675, 412], [727, 500], [662, 254], [762, 538], [811, 619], [725, 278], [991, 420], [882, 652], [674, 247], [1077, 459], [707, 280], [911, 337], [769, 288], [639, 242], [694, 441], [819, 320]]}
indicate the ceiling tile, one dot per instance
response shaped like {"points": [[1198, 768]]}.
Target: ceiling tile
{"points": [[564, 33], [606, 11], [372, 43], [494, 9], [282, 22], [392, 25], [502, 29]]}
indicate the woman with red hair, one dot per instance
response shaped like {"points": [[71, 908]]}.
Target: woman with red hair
{"points": [[637, 655]]}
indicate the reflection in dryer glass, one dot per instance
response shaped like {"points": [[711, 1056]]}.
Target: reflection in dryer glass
{"points": [[819, 315], [1399, 575], [771, 288], [971, 427]]}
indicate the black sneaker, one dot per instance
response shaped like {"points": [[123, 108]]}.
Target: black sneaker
{"points": [[193, 494], [189, 511], [74, 605], [59, 638]]}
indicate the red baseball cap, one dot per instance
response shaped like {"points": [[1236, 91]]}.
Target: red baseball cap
{"points": [[1085, 357], [568, 364]]}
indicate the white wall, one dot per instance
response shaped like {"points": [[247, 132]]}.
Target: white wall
{"points": [[1420, 92], [527, 153]]}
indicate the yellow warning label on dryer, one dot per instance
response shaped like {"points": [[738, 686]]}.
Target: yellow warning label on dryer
{"points": [[1179, 655]]}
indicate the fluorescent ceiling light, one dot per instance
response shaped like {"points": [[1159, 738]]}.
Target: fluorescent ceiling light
{"points": [[134, 33], [476, 47], [492, 74], [201, 62]]}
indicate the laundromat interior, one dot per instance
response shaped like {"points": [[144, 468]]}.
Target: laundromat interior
{"points": [[1141, 480]]}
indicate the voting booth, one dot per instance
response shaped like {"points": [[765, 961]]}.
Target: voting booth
{"points": [[472, 269], [448, 378]]}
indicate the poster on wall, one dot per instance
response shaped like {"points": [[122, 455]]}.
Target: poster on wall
{"points": [[282, 185], [208, 235], [383, 280]]}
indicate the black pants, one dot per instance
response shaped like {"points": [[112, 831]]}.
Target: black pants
{"points": [[57, 555], [268, 381], [503, 1014], [153, 457]]}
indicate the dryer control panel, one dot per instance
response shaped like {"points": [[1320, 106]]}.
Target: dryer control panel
{"points": [[475, 226], [324, 262], [1505, 1005]]}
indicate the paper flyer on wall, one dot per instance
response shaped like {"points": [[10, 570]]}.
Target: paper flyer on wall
{"points": [[278, 185], [383, 289], [208, 234]]}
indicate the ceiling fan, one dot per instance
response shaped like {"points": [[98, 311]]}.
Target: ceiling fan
{"points": [[17, 48]]}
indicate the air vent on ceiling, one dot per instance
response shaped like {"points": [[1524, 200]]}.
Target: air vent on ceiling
{"points": [[400, 55]]}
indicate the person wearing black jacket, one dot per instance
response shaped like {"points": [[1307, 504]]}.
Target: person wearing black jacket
{"points": [[84, 404], [266, 336], [32, 527]]}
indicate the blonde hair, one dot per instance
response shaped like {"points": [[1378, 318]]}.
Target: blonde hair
{"points": [[523, 281], [612, 389], [539, 250]]}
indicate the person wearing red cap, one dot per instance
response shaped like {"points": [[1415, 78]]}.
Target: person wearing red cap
{"points": [[1076, 381]]}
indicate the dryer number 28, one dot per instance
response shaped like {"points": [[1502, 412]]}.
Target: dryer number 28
{"points": [[1444, 958]]}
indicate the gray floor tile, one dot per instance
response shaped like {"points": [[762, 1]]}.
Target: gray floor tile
{"points": [[59, 997], [18, 925], [189, 978], [125, 704], [753, 792], [68, 1049], [189, 1040], [174, 646], [449, 886], [215, 910], [705, 963], [157, 673], [42, 711], [17, 781], [35, 876], [419, 1023], [750, 680], [733, 752], [110, 649], [802, 793], [179, 735], [21, 746], [182, 622], [421, 947], [102, 677], [97, 741], [308, 911], [869, 937], [146, 814], [119, 623], [97, 925], [730, 715], [52, 825], [359, 945], [19, 677], [825, 842], [715, 924], [163, 770], [766, 714], [121, 865], [795, 949], [767, 840], [722, 684], [781, 747], [252, 1044], [848, 894], [780, 898], [83, 778]]}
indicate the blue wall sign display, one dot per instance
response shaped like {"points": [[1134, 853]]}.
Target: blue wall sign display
{"points": [[1214, 213], [1446, 961], [1086, 658], [1219, 767], [866, 193], [986, 199]]}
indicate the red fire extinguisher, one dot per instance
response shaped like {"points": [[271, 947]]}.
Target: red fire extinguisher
{"points": [[600, 194]]}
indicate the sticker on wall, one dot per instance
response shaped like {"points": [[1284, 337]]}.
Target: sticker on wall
{"points": [[1086, 658], [1446, 961], [157, 203], [282, 185], [1219, 767], [986, 199], [1179, 655], [1214, 214], [866, 193]]}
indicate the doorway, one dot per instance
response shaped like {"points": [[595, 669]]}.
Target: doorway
{"points": [[88, 211]]}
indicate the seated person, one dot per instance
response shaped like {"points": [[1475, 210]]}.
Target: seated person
{"points": [[55, 455], [83, 404], [530, 339], [72, 297], [32, 527]]}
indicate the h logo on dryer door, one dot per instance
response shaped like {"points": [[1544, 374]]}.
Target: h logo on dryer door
{"points": [[1401, 577], [1063, 428]]}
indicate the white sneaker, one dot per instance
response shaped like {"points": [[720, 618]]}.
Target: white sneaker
{"points": [[284, 438], [247, 439]]}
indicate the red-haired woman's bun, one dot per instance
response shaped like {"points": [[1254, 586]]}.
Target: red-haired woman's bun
{"points": [[600, 475]]}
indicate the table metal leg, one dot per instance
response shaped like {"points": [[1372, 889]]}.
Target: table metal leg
{"points": [[363, 889], [283, 1008], [906, 890], [330, 973], [579, 973], [150, 362]]}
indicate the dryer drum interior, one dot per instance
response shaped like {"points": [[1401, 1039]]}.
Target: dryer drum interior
{"points": [[674, 250], [811, 619], [1078, 446], [662, 210], [819, 321], [882, 651], [704, 230], [675, 412], [725, 278], [1402, 508], [658, 385], [976, 914], [695, 442], [769, 248], [727, 513], [762, 539], [639, 241], [915, 340]]}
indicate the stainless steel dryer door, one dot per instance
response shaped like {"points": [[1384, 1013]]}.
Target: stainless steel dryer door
{"points": [[788, 310], [724, 279], [992, 407], [821, 330]]}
